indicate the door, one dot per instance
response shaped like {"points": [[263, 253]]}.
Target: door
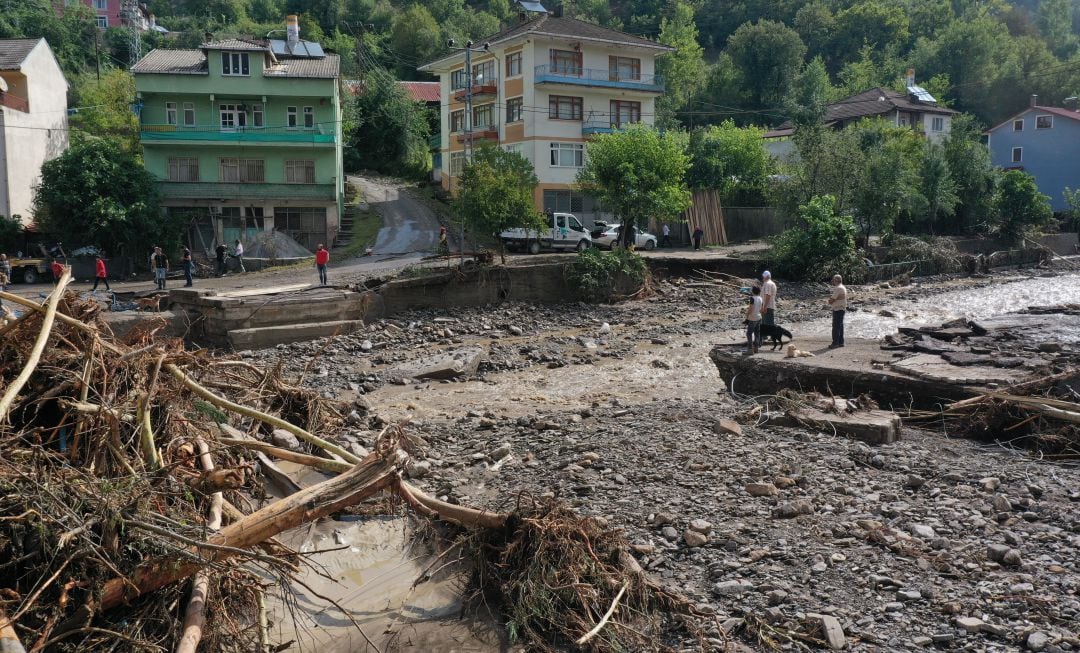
{"points": [[562, 230], [233, 117]]}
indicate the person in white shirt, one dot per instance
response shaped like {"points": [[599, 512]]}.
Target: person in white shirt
{"points": [[768, 298], [666, 240], [238, 253], [838, 301], [753, 321]]}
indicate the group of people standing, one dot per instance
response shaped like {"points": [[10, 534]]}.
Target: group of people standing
{"points": [[761, 310]]}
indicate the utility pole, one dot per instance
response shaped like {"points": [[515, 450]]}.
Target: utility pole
{"points": [[469, 149]]}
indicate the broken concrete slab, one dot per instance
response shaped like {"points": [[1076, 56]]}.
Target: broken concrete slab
{"points": [[934, 367], [449, 365], [269, 336], [870, 426]]}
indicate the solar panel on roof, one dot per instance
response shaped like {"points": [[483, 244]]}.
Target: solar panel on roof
{"points": [[532, 6], [302, 49], [921, 94]]}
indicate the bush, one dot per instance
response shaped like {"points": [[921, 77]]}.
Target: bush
{"points": [[1021, 209], [823, 244], [941, 252], [601, 276], [11, 234]]}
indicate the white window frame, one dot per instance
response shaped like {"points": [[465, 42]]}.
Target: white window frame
{"points": [[177, 165], [457, 163], [189, 114], [235, 64], [170, 113], [300, 171], [1020, 122], [457, 116], [257, 115], [242, 171], [309, 117], [237, 118], [101, 5], [937, 124], [487, 110], [103, 22], [1047, 116], [1017, 155], [576, 152], [291, 118]]}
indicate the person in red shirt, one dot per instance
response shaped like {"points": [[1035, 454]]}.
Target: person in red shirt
{"points": [[57, 271], [100, 274], [322, 257]]}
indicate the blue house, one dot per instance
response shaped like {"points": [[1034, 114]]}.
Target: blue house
{"points": [[1043, 142]]}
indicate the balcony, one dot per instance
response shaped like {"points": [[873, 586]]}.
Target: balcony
{"points": [[14, 102], [242, 135], [480, 87], [490, 133], [213, 191], [599, 78]]}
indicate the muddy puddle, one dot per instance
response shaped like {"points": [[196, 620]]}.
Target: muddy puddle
{"points": [[369, 567], [999, 298]]}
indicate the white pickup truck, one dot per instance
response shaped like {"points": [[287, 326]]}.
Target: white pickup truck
{"points": [[565, 232]]}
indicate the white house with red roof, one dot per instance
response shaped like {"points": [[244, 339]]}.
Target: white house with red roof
{"points": [[1043, 142]]}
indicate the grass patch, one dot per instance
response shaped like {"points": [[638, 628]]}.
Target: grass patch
{"points": [[366, 226]]}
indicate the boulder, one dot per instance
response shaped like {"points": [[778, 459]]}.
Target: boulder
{"points": [[449, 365]]}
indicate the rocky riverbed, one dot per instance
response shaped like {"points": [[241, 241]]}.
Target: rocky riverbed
{"points": [[928, 542]]}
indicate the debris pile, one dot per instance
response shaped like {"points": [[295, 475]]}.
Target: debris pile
{"points": [[132, 510]]}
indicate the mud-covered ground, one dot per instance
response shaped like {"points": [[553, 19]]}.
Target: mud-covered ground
{"points": [[930, 542]]}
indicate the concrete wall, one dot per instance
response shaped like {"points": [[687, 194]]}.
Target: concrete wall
{"points": [[27, 140], [1052, 155]]}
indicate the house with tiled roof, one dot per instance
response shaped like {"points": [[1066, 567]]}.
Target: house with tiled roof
{"points": [[1044, 142], [244, 135], [33, 120], [543, 87], [914, 108]]}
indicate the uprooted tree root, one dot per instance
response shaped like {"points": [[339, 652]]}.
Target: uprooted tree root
{"points": [[127, 521]]}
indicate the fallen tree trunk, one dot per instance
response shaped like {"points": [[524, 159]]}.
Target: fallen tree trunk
{"points": [[195, 616], [370, 476]]}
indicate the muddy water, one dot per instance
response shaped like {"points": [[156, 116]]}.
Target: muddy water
{"points": [[999, 298]]}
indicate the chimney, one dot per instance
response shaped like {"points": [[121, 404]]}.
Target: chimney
{"points": [[1034, 100], [292, 30], [910, 77]]}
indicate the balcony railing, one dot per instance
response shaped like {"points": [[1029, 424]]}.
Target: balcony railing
{"points": [[480, 86], [598, 77], [208, 190], [489, 133], [603, 126], [14, 102], [216, 133]]}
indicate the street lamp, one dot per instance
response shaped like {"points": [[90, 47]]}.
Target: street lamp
{"points": [[468, 49]]}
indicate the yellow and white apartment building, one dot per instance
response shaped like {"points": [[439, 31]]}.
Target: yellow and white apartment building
{"points": [[543, 88]]}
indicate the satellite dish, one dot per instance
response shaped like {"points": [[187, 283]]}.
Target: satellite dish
{"points": [[3, 85]]}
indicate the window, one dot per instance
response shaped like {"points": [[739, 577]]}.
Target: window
{"points": [[458, 80], [624, 68], [457, 163], [1044, 122], [232, 116], [563, 201], [189, 114], [306, 225], [457, 121], [513, 110], [561, 107], [102, 21], [483, 116], [234, 63], [1018, 125], [513, 64], [184, 169], [484, 72], [257, 114], [566, 62], [309, 117], [937, 124], [101, 5], [290, 117], [300, 172], [516, 148], [243, 171], [170, 113], [624, 112], [567, 155], [1017, 154]]}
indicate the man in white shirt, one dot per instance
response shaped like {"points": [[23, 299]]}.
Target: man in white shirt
{"points": [[666, 232], [838, 301], [239, 254], [768, 298]]}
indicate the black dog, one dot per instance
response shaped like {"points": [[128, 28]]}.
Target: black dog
{"points": [[775, 333]]}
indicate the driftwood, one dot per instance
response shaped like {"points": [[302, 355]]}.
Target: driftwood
{"points": [[195, 615]]}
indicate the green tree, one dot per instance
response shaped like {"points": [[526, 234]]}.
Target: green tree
{"points": [[391, 130], [496, 193], [1020, 208], [11, 234], [1072, 200], [829, 162], [638, 173], [415, 39], [816, 25], [882, 26], [732, 160], [887, 185], [683, 70], [769, 55], [821, 244], [970, 169], [810, 94], [937, 196], [98, 193], [106, 107], [1056, 25]]}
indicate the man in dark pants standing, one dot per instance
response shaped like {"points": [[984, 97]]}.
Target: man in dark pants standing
{"points": [[698, 234], [100, 274], [220, 252], [838, 301], [188, 266], [161, 267]]}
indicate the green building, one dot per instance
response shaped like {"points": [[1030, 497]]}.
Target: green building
{"points": [[245, 136]]}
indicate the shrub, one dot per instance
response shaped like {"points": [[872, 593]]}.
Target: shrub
{"points": [[601, 276], [11, 234], [1021, 209], [821, 245]]}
